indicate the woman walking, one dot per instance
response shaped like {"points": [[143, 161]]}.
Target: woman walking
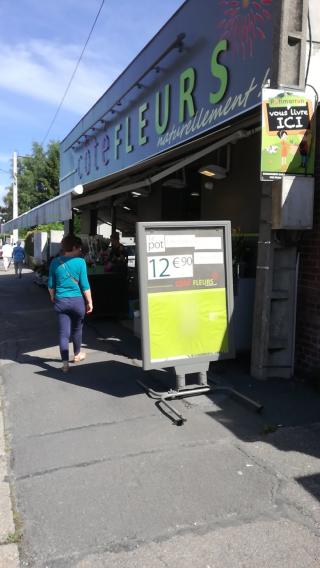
{"points": [[70, 292]]}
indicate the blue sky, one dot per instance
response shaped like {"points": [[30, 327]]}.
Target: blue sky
{"points": [[40, 43]]}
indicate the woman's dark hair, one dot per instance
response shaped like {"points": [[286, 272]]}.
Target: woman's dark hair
{"points": [[69, 242]]}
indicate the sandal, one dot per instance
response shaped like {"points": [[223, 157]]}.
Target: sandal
{"points": [[79, 357]]}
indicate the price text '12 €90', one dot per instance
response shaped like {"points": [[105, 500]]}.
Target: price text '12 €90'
{"points": [[178, 266]]}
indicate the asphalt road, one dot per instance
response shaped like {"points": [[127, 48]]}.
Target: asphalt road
{"points": [[102, 478]]}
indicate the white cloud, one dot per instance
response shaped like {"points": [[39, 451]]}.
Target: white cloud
{"points": [[41, 70], [10, 111]]}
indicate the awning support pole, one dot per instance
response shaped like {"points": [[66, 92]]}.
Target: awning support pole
{"points": [[93, 221], [113, 217]]}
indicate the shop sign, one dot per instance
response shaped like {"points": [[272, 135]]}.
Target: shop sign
{"points": [[186, 295], [288, 133], [216, 74]]}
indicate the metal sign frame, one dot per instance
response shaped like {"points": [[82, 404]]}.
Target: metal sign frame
{"points": [[195, 362]]}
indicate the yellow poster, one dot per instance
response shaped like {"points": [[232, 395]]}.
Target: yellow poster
{"points": [[187, 323]]}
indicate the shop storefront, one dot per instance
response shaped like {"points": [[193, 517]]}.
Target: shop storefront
{"points": [[177, 138]]}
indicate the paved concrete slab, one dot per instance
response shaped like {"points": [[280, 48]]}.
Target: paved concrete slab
{"points": [[262, 544], [139, 498], [292, 451]]}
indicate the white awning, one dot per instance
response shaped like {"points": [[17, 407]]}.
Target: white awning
{"points": [[56, 209]]}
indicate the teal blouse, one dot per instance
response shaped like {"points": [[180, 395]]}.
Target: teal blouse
{"points": [[63, 272]]}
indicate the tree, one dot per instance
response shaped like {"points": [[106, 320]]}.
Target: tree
{"points": [[38, 178], [4, 216]]}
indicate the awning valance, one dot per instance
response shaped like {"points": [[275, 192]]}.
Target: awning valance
{"points": [[56, 209]]}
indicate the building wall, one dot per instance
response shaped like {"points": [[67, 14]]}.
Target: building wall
{"points": [[308, 305], [237, 197]]}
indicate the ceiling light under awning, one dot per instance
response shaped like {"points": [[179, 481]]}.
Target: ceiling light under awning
{"points": [[213, 170]]}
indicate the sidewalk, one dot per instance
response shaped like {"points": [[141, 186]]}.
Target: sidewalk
{"points": [[102, 478]]}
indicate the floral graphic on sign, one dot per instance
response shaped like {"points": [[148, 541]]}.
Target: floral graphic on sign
{"points": [[243, 23]]}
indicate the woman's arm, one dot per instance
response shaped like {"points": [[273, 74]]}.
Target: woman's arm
{"points": [[88, 298], [85, 287], [51, 294], [51, 282]]}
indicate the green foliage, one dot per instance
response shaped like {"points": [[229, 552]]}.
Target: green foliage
{"points": [[4, 215], [28, 243], [38, 178], [46, 228], [50, 227], [13, 538], [76, 223]]}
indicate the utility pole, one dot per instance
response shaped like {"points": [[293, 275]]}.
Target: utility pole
{"points": [[272, 352], [15, 194]]}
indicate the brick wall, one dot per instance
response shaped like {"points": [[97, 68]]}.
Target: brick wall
{"points": [[307, 358]]}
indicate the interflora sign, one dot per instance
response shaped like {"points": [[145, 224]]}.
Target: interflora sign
{"points": [[168, 96], [186, 298], [288, 133]]}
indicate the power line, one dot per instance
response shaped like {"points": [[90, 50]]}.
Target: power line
{"points": [[73, 74]]}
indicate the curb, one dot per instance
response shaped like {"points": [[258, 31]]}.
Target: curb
{"points": [[9, 553]]}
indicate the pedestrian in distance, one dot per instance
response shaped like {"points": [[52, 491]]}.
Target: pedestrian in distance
{"points": [[7, 255], [70, 293], [116, 255], [18, 256]]}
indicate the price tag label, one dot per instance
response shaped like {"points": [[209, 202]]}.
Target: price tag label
{"points": [[178, 266]]}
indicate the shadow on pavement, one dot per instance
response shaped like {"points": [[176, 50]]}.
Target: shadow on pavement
{"points": [[311, 484], [286, 402], [289, 421], [110, 377]]}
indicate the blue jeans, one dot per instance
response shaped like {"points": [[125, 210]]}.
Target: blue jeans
{"points": [[71, 312]]}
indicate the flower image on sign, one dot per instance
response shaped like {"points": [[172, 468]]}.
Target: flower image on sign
{"points": [[287, 134]]}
